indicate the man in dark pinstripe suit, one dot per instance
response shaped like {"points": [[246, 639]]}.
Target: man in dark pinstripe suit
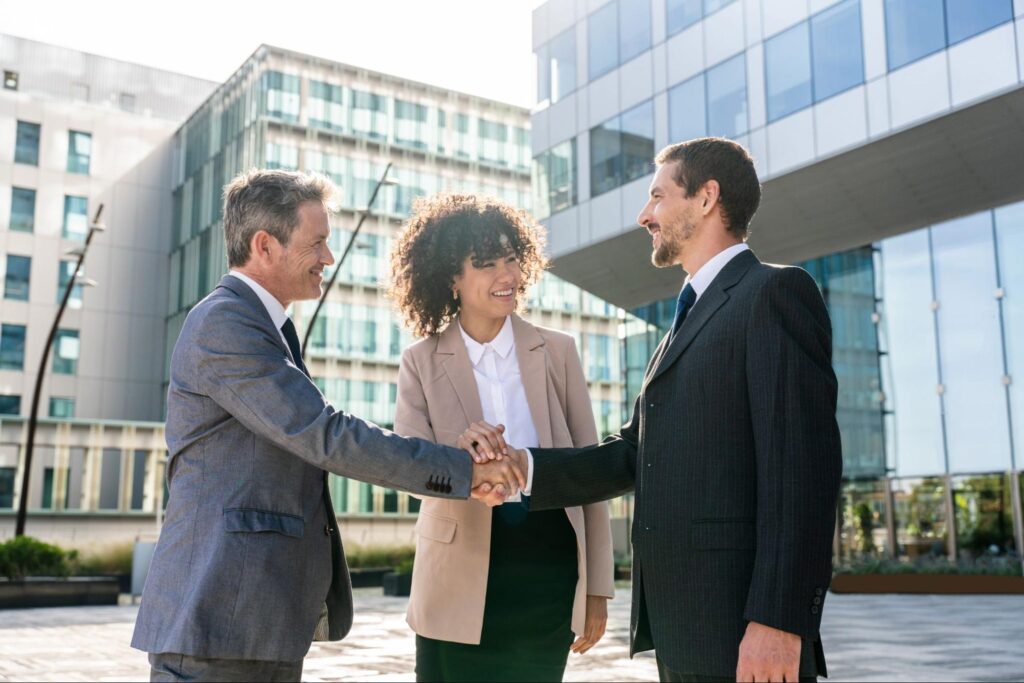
{"points": [[733, 448]]}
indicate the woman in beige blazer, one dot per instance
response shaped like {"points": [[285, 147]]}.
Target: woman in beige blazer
{"points": [[495, 595]]}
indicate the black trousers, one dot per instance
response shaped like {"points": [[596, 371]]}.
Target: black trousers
{"points": [[667, 675], [169, 666]]}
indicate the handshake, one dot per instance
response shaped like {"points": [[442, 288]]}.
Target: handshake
{"points": [[499, 470]]}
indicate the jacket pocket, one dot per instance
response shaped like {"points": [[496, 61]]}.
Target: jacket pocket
{"points": [[723, 534], [251, 520], [440, 529]]}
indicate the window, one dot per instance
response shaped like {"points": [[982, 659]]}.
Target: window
{"points": [[65, 352], [622, 149], [688, 116], [12, 347], [727, 98], [62, 407], [554, 179], [325, 106], [16, 278], [65, 272], [7, 473], [493, 136], [787, 59], [76, 218], [110, 479], [26, 145], [837, 50], [9, 405], [556, 67], [127, 102], [681, 14], [23, 209], [370, 114], [282, 157], [616, 33], [411, 124], [79, 151], [918, 28], [10, 80], [283, 97], [139, 460]]}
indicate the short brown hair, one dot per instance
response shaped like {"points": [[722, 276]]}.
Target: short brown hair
{"points": [[725, 161], [442, 232], [269, 200]]}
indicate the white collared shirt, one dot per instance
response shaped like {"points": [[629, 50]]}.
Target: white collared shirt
{"points": [[706, 274], [500, 385], [270, 302]]}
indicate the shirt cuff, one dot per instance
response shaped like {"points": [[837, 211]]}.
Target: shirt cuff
{"points": [[528, 491]]}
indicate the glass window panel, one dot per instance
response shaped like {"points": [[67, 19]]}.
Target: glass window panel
{"points": [[283, 97], [9, 405], [110, 479], [838, 50], [541, 185], [687, 110], [410, 124], [634, 28], [16, 279], [23, 209], [65, 272], [66, 352], [984, 515], [787, 66], [369, 114], [605, 157], [326, 109], [920, 517], [910, 368], [602, 40], [913, 29], [727, 98], [715, 5], [139, 461], [1009, 221], [563, 64], [966, 18], [543, 59], [863, 527], [62, 407], [76, 218], [638, 141], [970, 347], [12, 347], [79, 151], [562, 175], [680, 14], [26, 145]]}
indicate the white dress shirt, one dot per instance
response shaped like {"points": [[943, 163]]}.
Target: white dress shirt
{"points": [[700, 281], [500, 385], [270, 302]]}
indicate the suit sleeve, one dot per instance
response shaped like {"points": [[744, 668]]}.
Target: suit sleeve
{"points": [[253, 382], [792, 393], [596, 520], [411, 415]]}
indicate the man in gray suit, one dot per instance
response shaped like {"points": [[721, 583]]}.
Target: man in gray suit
{"points": [[250, 567]]}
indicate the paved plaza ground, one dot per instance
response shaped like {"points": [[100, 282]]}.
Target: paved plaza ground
{"points": [[867, 638]]}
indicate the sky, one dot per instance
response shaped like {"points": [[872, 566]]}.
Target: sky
{"points": [[481, 47]]}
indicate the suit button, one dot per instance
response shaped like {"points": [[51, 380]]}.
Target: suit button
{"points": [[650, 405], [650, 464], [817, 601], [814, 610], [818, 591], [447, 488], [327, 529]]}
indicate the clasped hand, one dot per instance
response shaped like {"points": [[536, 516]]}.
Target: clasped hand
{"points": [[499, 470]]}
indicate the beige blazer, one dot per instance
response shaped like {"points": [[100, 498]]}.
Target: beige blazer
{"points": [[437, 400]]}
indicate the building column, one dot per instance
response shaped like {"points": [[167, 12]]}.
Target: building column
{"points": [[891, 545], [951, 542], [1018, 514]]}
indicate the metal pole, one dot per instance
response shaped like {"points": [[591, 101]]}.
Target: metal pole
{"points": [[26, 475], [951, 540], [352, 240], [891, 545]]}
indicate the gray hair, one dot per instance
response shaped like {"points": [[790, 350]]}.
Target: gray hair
{"points": [[269, 200]]}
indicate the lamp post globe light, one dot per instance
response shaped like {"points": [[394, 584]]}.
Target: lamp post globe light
{"points": [[76, 279]]}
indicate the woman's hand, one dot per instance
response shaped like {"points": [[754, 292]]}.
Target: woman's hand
{"points": [[484, 442], [597, 621]]}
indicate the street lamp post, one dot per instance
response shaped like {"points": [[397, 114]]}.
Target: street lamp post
{"points": [[75, 279], [352, 240]]}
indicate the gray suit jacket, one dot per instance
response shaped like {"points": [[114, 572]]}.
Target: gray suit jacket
{"points": [[249, 553]]}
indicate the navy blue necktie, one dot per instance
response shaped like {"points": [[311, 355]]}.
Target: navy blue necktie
{"points": [[683, 305], [290, 336]]}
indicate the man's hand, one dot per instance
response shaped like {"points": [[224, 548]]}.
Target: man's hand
{"points": [[593, 629], [484, 441], [768, 654], [493, 492]]}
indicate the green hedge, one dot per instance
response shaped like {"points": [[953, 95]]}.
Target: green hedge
{"points": [[985, 566], [25, 556], [360, 557]]}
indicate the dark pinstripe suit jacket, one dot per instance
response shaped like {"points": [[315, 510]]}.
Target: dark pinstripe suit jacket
{"points": [[733, 451]]}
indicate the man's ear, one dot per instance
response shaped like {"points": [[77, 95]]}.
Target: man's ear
{"points": [[260, 246], [711, 192]]}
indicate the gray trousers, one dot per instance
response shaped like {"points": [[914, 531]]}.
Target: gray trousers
{"points": [[168, 666]]}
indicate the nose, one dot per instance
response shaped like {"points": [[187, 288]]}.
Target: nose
{"points": [[645, 216], [327, 258]]}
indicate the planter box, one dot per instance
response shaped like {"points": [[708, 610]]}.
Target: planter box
{"points": [[950, 584], [399, 585], [623, 573], [368, 577], [52, 592]]}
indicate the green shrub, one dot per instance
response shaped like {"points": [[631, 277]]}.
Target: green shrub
{"points": [[404, 567], [984, 566], [110, 559], [360, 557], [25, 556]]}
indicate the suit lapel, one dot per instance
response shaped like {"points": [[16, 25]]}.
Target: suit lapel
{"points": [[714, 297], [241, 289], [533, 373], [456, 364]]}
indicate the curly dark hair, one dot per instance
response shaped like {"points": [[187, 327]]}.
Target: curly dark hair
{"points": [[442, 232]]}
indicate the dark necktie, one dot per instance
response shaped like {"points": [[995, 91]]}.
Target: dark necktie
{"points": [[683, 305], [290, 336]]}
